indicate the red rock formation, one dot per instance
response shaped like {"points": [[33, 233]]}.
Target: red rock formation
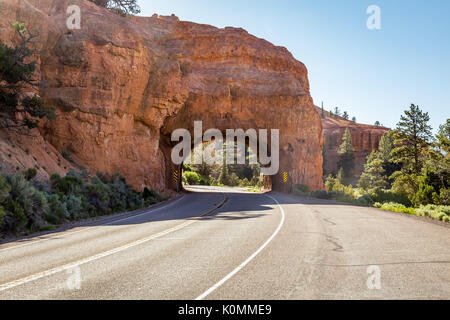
{"points": [[122, 84], [365, 139]]}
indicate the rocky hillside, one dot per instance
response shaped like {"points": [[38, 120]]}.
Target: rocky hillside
{"points": [[122, 84]]}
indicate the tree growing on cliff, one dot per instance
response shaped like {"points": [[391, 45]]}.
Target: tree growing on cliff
{"points": [[345, 115], [374, 173], [337, 112], [121, 6], [346, 156], [18, 109], [379, 165]]}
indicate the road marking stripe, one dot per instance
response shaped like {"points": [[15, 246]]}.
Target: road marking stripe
{"points": [[243, 264], [85, 227], [53, 271]]}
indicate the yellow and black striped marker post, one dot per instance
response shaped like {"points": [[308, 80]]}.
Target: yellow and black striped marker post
{"points": [[285, 177], [176, 178]]}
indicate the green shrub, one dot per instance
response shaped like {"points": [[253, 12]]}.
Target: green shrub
{"points": [[30, 174], [75, 206], [5, 188], [434, 211], [15, 218], [23, 207], [2, 215], [97, 195], [365, 200], [31, 201], [444, 197], [342, 197], [244, 183], [57, 212], [384, 196], [301, 189], [213, 181], [321, 194], [191, 178], [233, 180], [152, 194], [67, 185]]}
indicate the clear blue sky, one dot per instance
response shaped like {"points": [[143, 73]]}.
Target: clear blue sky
{"points": [[373, 74]]}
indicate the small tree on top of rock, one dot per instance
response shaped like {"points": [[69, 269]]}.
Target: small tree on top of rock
{"points": [[345, 115], [122, 6]]}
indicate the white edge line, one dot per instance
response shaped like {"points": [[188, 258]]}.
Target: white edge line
{"points": [[50, 272], [72, 265], [62, 233], [243, 264]]}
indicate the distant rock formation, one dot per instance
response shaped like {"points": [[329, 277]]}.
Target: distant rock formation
{"points": [[365, 138]]}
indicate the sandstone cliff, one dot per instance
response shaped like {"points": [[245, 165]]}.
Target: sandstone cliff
{"points": [[365, 139], [122, 84]]}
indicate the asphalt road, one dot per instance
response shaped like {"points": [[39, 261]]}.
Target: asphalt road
{"points": [[254, 246]]}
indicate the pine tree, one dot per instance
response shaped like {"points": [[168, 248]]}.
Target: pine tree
{"points": [[385, 155], [354, 119], [346, 156], [374, 174], [224, 177], [345, 115], [443, 137], [337, 112], [412, 137], [323, 112]]}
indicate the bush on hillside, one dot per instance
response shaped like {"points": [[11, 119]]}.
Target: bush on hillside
{"points": [[191, 178]]}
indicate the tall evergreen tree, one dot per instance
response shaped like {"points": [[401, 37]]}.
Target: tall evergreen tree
{"points": [[345, 115], [224, 177], [385, 155], [412, 137], [347, 156], [373, 175]]}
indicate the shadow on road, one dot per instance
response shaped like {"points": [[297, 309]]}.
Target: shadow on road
{"points": [[198, 200]]}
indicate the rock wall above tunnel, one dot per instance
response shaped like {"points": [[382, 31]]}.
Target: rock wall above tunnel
{"points": [[121, 84]]}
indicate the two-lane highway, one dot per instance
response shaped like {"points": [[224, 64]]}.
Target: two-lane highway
{"points": [[253, 246]]}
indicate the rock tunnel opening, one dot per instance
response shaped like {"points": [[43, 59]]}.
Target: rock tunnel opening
{"points": [[246, 175]]}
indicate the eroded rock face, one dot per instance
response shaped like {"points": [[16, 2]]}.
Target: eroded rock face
{"points": [[121, 85], [365, 139]]}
